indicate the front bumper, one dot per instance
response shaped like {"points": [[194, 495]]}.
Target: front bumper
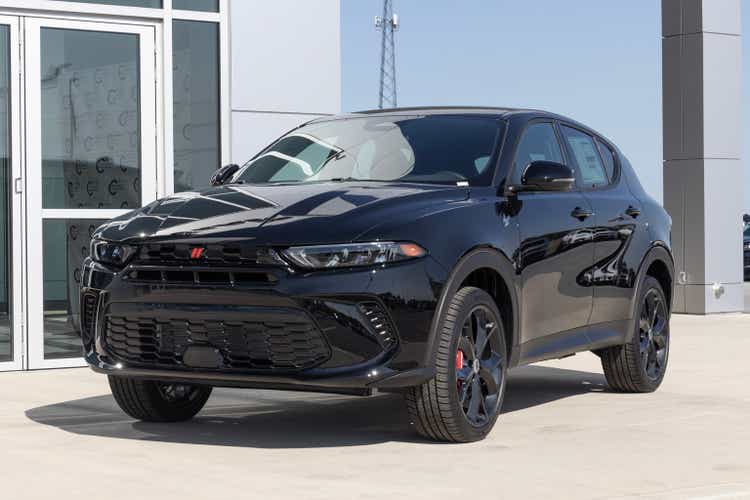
{"points": [[154, 330]]}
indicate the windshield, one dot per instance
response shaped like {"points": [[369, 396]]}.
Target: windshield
{"points": [[446, 149]]}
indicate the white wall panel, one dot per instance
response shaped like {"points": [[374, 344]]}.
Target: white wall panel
{"points": [[286, 55]]}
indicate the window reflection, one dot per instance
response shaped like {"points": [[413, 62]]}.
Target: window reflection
{"points": [[66, 244], [201, 5], [90, 119], [126, 3], [6, 344]]}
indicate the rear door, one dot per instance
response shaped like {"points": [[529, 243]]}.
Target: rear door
{"points": [[620, 232], [556, 245]]}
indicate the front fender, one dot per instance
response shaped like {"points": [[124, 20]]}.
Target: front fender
{"points": [[478, 258]]}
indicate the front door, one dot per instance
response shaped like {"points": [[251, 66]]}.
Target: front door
{"points": [[90, 156], [11, 207], [556, 249]]}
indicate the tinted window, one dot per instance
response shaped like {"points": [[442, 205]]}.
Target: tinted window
{"points": [[538, 143], [127, 3], [195, 77], [585, 157], [442, 149], [202, 5], [608, 156]]}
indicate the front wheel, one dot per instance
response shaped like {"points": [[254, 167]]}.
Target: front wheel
{"points": [[640, 364], [153, 401], [462, 402]]}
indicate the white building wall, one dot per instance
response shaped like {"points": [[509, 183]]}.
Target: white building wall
{"points": [[286, 68]]}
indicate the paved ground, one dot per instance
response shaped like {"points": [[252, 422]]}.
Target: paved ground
{"points": [[563, 435]]}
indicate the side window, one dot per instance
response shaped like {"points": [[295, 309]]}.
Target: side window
{"points": [[608, 156], [585, 157], [538, 143]]}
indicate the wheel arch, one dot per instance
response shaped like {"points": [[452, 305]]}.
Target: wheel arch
{"points": [[491, 270], [659, 264]]}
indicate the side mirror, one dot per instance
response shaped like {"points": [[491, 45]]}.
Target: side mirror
{"points": [[547, 176], [224, 174]]}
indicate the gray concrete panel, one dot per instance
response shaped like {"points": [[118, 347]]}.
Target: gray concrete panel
{"points": [[721, 108], [703, 178]]}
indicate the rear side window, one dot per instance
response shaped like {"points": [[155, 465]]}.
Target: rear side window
{"points": [[538, 143], [586, 158], [608, 157]]}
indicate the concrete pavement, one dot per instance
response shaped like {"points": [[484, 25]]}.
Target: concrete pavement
{"points": [[562, 435]]}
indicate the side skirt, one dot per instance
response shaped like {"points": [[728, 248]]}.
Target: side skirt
{"points": [[563, 344]]}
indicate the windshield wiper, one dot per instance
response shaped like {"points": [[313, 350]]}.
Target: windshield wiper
{"points": [[345, 179]]}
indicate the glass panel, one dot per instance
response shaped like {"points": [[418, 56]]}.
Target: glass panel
{"points": [[539, 143], [91, 136], [66, 244], [585, 157], [202, 5], [609, 159], [128, 3], [6, 333], [196, 103]]}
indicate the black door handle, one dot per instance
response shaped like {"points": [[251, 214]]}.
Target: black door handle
{"points": [[581, 213], [633, 211]]}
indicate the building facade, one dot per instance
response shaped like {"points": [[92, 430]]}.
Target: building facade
{"points": [[108, 105]]}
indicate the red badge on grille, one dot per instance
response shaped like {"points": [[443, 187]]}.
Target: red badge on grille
{"points": [[197, 252]]}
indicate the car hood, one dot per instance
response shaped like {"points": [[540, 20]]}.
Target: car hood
{"points": [[281, 214]]}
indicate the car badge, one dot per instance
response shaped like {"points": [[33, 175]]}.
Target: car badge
{"points": [[197, 252]]}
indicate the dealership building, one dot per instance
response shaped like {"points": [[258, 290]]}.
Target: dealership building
{"points": [[108, 105]]}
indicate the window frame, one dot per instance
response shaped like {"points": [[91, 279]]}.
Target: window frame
{"points": [[579, 179], [616, 170], [563, 152]]}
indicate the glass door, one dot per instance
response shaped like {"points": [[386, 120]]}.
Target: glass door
{"points": [[11, 263], [90, 156]]}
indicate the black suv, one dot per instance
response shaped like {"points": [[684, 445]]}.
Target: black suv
{"points": [[423, 251]]}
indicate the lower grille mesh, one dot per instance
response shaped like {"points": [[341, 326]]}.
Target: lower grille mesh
{"points": [[89, 303], [290, 345]]}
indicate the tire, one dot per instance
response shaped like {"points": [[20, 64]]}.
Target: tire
{"points": [[153, 401], [640, 364], [444, 408]]}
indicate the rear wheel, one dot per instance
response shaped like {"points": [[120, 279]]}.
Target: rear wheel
{"points": [[462, 402], [153, 401], [640, 364]]}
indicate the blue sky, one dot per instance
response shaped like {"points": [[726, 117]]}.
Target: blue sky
{"points": [[596, 61]]}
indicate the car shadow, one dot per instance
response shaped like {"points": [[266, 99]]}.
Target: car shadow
{"points": [[275, 419]]}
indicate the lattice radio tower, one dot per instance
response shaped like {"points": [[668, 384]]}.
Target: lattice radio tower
{"points": [[388, 24]]}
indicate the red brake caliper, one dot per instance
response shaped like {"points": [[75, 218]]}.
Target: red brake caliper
{"points": [[459, 366]]}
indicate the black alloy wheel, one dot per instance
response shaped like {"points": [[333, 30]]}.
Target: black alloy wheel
{"points": [[462, 402], [640, 364], [653, 335], [479, 366], [153, 401]]}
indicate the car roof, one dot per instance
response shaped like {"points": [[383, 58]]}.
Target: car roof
{"points": [[498, 112]]}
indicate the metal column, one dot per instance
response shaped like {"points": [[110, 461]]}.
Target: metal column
{"points": [[703, 177]]}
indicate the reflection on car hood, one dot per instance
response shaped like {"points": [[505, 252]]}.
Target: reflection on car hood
{"points": [[281, 214]]}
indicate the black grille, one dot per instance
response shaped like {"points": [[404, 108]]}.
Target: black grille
{"points": [[222, 254], [206, 276], [379, 322], [291, 344], [89, 303]]}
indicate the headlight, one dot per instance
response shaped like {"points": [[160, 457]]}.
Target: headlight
{"points": [[352, 255], [111, 253]]}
